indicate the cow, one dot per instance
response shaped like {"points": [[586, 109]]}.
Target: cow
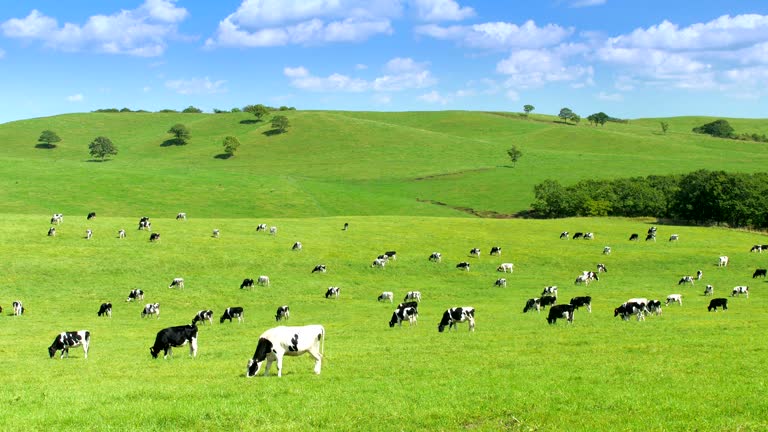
{"points": [[674, 298], [215, 233], [105, 310], [402, 314], [699, 274], [346, 226], [585, 278], [495, 250], [475, 252], [319, 268], [741, 289], [453, 316], [504, 267], [135, 294], [121, 233], [18, 308], [332, 292], [463, 266], [654, 307], [626, 310], [383, 257], [261, 227], [177, 336], [247, 283], [723, 262], [686, 279], [634, 237], [151, 309], [500, 282], [52, 232], [759, 273], [181, 216], [71, 339], [273, 230], [650, 237], [57, 218], [232, 312], [436, 257], [584, 301], [379, 262], [386, 295], [283, 312], [709, 290], [641, 301], [545, 301], [88, 234], [91, 215], [561, 311], [550, 290], [296, 246], [413, 295], [601, 268], [391, 255], [577, 235], [564, 235], [263, 281], [154, 237], [717, 303], [755, 248], [412, 304], [652, 230], [589, 236], [674, 237], [203, 316], [607, 250], [177, 283], [532, 303], [278, 342], [145, 224]]}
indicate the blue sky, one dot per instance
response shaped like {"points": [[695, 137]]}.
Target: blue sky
{"points": [[627, 58]]}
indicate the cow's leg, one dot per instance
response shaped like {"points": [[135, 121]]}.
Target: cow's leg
{"points": [[318, 359], [471, 324], [85, 348], [589, 308], [193, 347]]}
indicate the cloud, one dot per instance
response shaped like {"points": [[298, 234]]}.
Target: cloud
{"points": [[196, 86], [610, 97], [499, 35], [361, 66], [75, 97], [434, 97], [586, 3], [442, 10], [139, 32], [400, 74], [529, 68]]}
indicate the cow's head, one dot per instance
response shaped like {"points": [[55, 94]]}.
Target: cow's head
{"points": [[263, 348], [51, 351], [252, 368], [154, 352]]}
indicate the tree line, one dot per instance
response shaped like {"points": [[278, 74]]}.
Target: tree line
{"points": [[700, 197]]}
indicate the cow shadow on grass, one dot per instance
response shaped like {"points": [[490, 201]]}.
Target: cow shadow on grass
{"points": [[45, 146], [173, 142], [223, 156]]}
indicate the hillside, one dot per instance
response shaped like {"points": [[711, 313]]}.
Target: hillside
{"points": [[334, 163]]}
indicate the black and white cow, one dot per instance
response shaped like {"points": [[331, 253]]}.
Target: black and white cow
{"points": [[261, 227], [532, 303], [560, 311], [177, 283], [504, 267], [273, 230], [607, 250], [135, 294], [577, 235], [177, 336], [232, 312], [391, 255], [409, 314], [151, 309], [650, 237], [585, 278], [247, 283], [583, 301], [408, 304], [436, 257], [564, 235], [463, 266], [154, 237], [717, 303], [181, 216], [413, 295], [634, 237], [589, 236], [283, 312], [379, 262], [332, 292], [759, 273], [545, 301], [674, 237], [203, 316], [66, 340], [709, 290], [57, 218], [319, 268], [654, 307], [346, 226], [739, 290], [105, 310], [674, 298], [215, 233], [626, 310], [121, 233], [500, 282], [278, 342], [296, 246], [91, 215], [386, 295], [88, 234], [145, 224], [453, 316], [263, 281], [18, 308], [601, 268], [495, 250], [723, 261], [52, 232], [550, 290], [699, 274], [475, 252], [686, 279]]}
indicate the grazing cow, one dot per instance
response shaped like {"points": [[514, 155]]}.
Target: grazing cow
{"points": [[145, 224], [674, 298], [296, 246], [686, 279], [586, 277], [332, 292], [346, 226], [105, 310], [601, 268], [463, 265], [232, 312], [121, 233], [151, 309], [755, 248], [717, 303], [283, 312], [319, 268], [504, 267], [135, 294], [674, 237], [699, 274], [272, 230], [278, 342], [495, 250], [501, 282], [759, 273], [642, 301], [723, 262], [52, 232], [261, 227], [532, 304], [545, 301], [66, 340], [585, 301], [741, 289], [561, 311], [88, 234], [386, 295], [177, 283], [215, 233], [413, 295], [18, 308], [181, 216], [453, 316], [607, 250], [577, 235], [379, 262], [652, 230], [564, 235], [402, 314], [383, 257], [650, 237], [436, 257], [177, 336], [412, 304], [91, 215], [628, 309], [589, 236], [634, 237], [550, 290], [203, 316], [57, 218], [247, 283], [263, 281], [154, 237], [475, 252], [654, 307], [391, 255], [709, 290]]}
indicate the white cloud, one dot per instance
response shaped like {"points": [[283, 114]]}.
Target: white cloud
{"points": [[434, 97], [610, 97], [196, 86], [534, 68], [586, 3], [442, 10], [361, 66], [499, 35], [512, 95], [139, 32], [401, 74], [75, 97]]}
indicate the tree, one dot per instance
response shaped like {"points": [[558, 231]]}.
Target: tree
{"points": [[49, 137], [280, 123], [101, 147], [231, 145], [236, 110], [576, 118], [191, 109], [258, 110], [514, 154], [528, 108], [718, 128], [664, 126], [180, 132], [565, 114]]}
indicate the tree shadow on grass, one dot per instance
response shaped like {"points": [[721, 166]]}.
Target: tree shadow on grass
{"points": [[249, 121], [272, 132], [98, 160], [45, 146], [223, 156], [173, 142]]}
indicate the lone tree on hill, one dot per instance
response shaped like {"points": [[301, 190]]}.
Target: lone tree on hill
{"points": [[101, 147], [280, 123], [528, 108], [258, 110], [231, 145], [514, 154], [49, 137], [664, 126], [180, 132], [566, 114]]}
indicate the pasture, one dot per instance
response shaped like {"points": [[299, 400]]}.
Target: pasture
{"points": [[685, 370]]}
